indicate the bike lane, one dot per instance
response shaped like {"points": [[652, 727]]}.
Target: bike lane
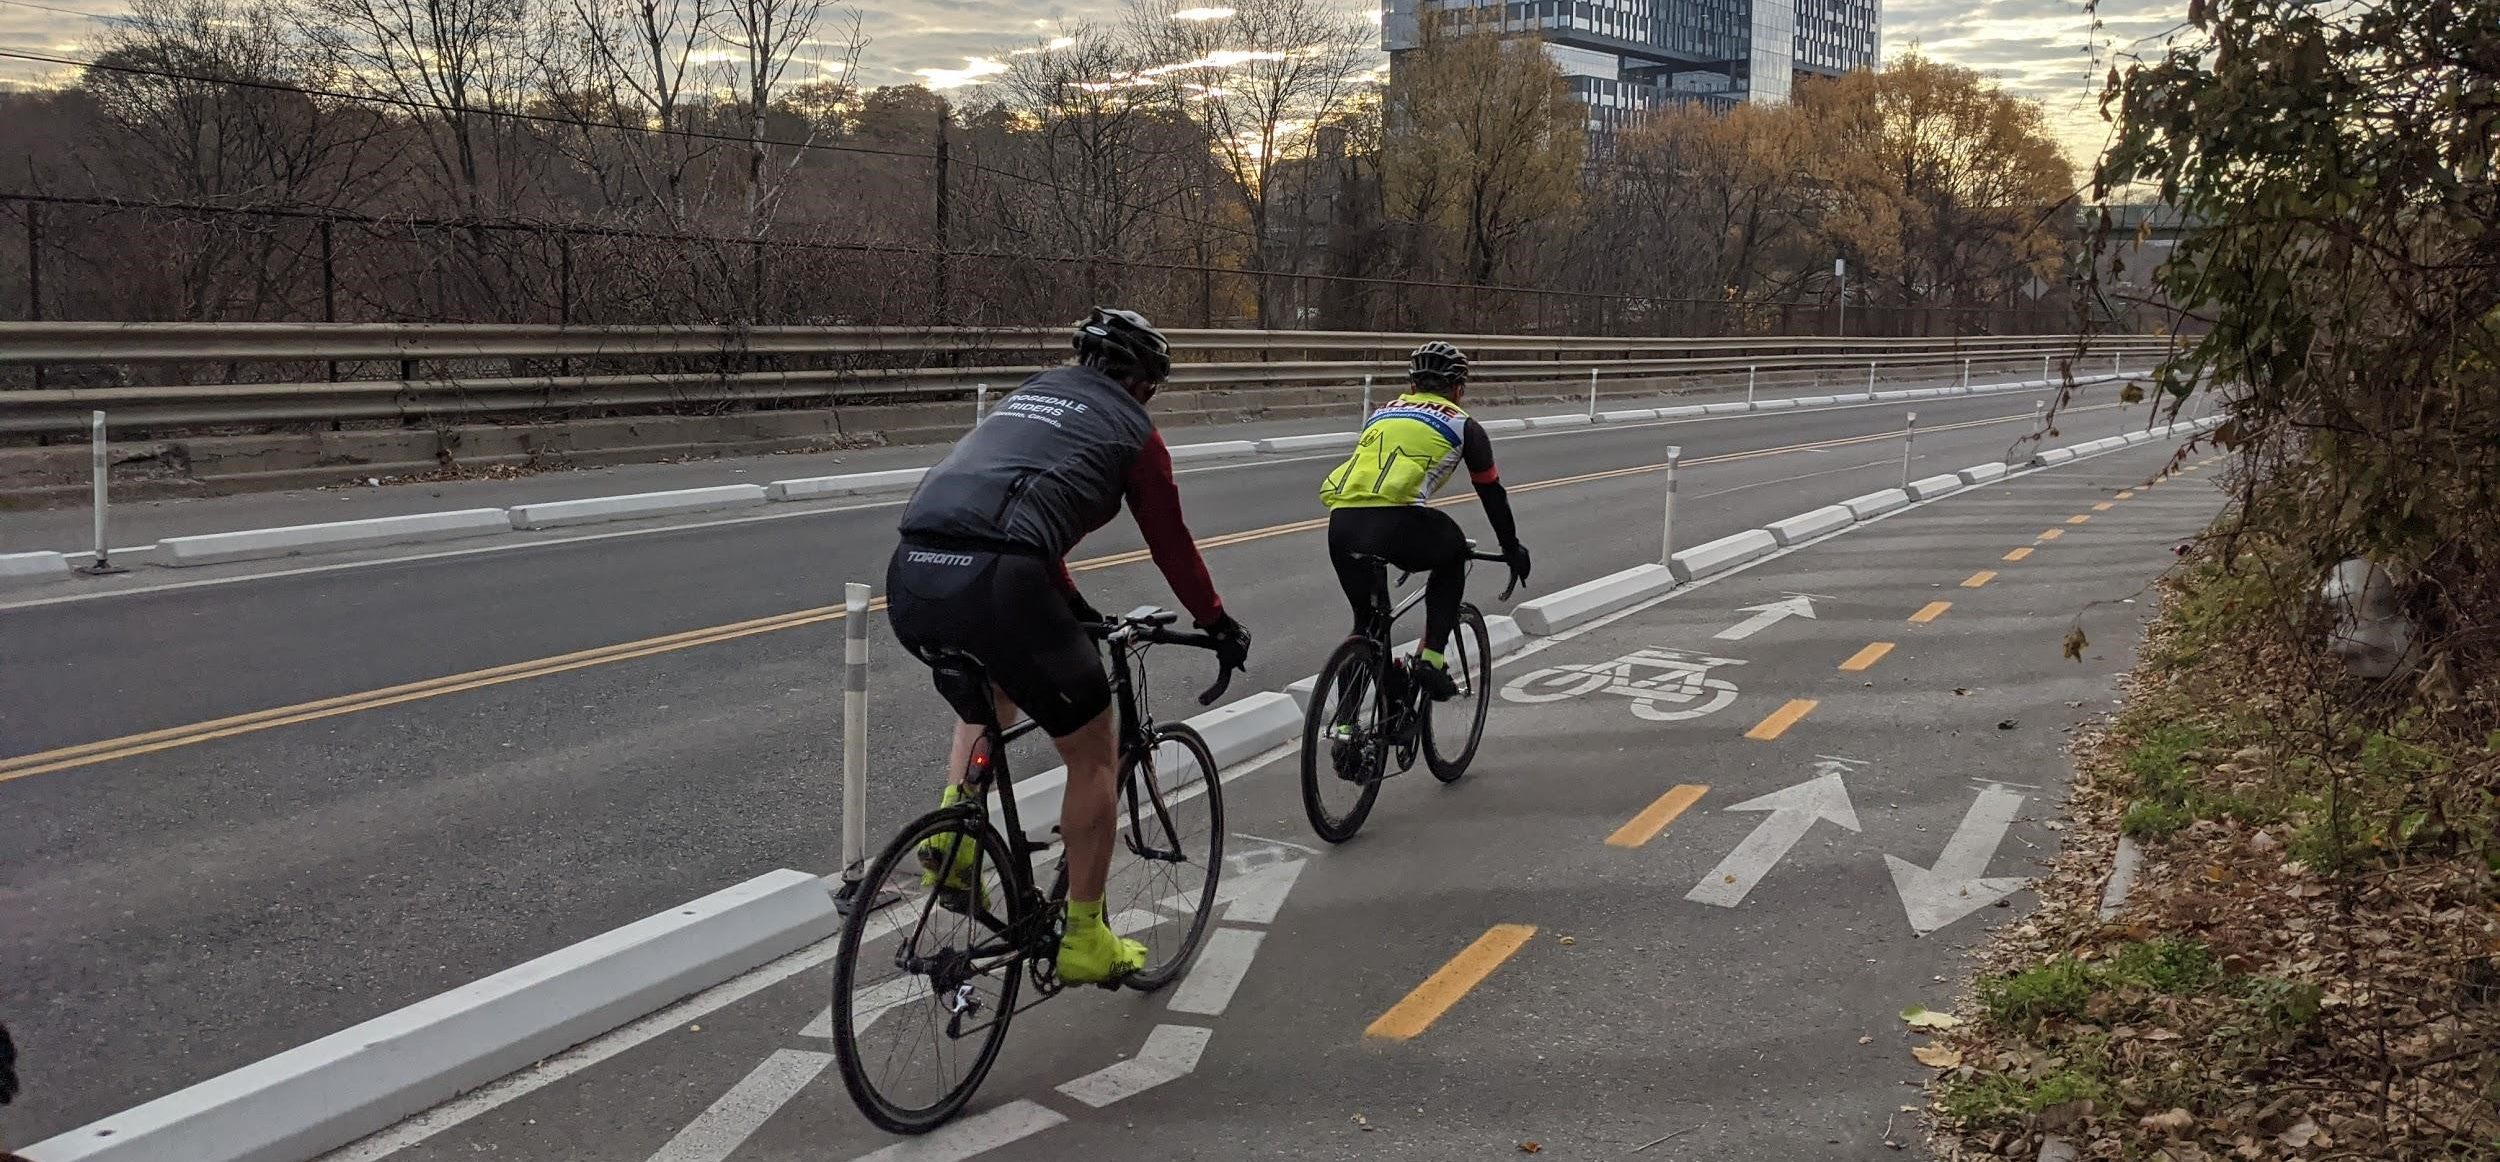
{"points": [[1696, 862]]}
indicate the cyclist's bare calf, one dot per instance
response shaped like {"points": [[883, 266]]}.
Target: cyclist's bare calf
{"points": [[1088, 813]]}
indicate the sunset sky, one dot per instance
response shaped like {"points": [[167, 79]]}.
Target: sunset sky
{"points": [[2043, 49]]}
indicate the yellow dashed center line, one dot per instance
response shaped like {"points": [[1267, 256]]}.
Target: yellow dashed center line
{"points": [[1873, 653], [2105, 506], [2019, 554], [2052, 534], [1781, 719], [2129, 495], [1930, 612], [1447, 987], [1655, 817], [1979, 578], [2078, 518]]}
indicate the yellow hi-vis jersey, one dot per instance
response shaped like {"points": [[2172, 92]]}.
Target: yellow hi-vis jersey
{"points": [[1409, 449]]}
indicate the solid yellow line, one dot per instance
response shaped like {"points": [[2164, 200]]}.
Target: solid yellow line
{"points": [[1979, 578], [2078, 518], [1655, 817], [1930, 612], [1781, 719], [1873, 653], [2019, 554], [2126, 495], [1445, 988], [2052, 534], [149, 742], [2105, 506]]}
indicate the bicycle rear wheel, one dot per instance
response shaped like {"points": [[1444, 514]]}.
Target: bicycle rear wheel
{"points": [[1345, 744], [1170, 852], [923, 988], [1453, 728]]}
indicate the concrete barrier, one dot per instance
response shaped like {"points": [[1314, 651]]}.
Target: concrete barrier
{"points": [[1682, 411], [1213, 450], [2054, 455], [1723, 554], [559, 513], [1509, 425], [1872, 503], [1627, 416], [319, 1096], [1588, 601], [1807, 526], [1721, 409], [1541, 423], [2138, 437], [849, 484], [1817, 401], [1233, 732], [30, 568], [1979, 472], [1934, 486], [335, 536], [1315, 443], [1772, 405]]}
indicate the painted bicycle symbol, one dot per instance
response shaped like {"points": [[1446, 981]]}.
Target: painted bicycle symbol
{"points": [[1663, 685]]}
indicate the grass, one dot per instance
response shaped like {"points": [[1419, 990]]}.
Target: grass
{"points": [[2002, 1098], [2064, 987]]}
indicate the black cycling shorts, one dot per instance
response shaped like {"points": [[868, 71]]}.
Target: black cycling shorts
{"points": [[1005, 610]]}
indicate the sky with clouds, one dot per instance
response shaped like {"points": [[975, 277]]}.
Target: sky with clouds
{"points": [[2044, 49]]}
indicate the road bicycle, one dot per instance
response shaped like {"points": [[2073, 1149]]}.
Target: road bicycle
{"points": [[1367, 715], [945, 991]]}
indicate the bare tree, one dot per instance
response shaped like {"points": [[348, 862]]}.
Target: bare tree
{"points": [[454, 67], [636, 63], [1261, 81]]}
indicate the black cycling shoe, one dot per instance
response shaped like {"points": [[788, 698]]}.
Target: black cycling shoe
{"points": [[1435, 680]]}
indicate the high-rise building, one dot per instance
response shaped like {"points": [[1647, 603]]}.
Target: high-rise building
{"points": [[1627, 57]]}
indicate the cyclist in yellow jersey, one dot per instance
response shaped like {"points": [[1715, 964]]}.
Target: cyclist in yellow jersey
{"points": [[1378, 503]]}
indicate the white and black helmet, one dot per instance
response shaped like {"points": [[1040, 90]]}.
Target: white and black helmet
{"points": [[1437, 362], [1123, 343]]}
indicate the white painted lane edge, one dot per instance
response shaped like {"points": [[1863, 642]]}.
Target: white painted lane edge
{"points": [[975, 1135], [727, 1124], [1217, 973], [1170, 1053]]}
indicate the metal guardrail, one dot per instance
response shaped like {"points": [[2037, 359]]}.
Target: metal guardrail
{"points": [[473, 391]]}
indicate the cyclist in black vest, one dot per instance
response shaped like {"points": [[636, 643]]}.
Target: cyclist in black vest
{"points": [[982, 569]]}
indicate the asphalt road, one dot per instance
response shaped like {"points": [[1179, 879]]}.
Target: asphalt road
{"points": [[198, 893], [1642, 983]]}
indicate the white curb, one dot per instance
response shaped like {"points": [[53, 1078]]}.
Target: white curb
{"points": [[1807, 526], [559, 513], [1213, 450], [1875, 503], [289, 540], [1980, 472], [330, 1092], [1723, 554], [850, 484], [28, 568], [1590, 600], [1311, 443], [1934, 486]]}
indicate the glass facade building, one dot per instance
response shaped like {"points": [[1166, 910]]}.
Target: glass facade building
{"points": [[1626, 57]]}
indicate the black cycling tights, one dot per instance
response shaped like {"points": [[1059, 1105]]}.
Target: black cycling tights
{"points": [[1413, 538]]}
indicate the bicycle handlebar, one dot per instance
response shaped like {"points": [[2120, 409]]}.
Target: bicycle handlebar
{"points": [[1507, 590], [1158, 634]]}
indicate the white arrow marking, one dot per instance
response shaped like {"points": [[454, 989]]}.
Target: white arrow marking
{"points": [[1766, 616], [1955, 887], [1793, 813]]}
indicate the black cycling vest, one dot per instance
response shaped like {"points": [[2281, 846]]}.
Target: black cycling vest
{"points": [[1048, 465]]}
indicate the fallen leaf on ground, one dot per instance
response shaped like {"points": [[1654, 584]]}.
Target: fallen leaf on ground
{"points": [[1531, 1147], [1568, 940], [2301, 1134], [1921, 1017], [2170, 1121], [1866, 1040], [1937, 1056]]}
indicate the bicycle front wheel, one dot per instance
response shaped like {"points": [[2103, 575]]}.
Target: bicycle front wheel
{"points": [[1170, 852], [1454, 727], [1345, 743], [924, 987]]}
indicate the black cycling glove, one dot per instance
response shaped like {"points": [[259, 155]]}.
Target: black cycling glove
{"points": [[1232, 642], [1516, 555]]}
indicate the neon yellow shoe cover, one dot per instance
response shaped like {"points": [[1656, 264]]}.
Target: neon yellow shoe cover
{"points": [[1089, 953], [951, 855]]}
